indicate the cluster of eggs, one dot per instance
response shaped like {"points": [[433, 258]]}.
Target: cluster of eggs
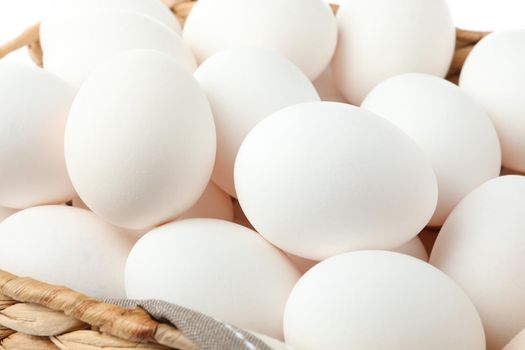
{"points": [[338, 137]]}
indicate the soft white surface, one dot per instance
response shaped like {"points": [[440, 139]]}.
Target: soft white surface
{"points": [[274, 344], [244, 86], [154, 9], [380, 301], [304, 31], [494, 74], [74, 44], [379, 39], [481, 246], [142, 154], [322, 178], [217, 267], [34, 106], [213, 204], [66, 246], [452, 129]]}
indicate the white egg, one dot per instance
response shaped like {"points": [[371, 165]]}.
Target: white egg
{"points": [[493, 74], [327, 87], [304, 31], [140, 140], [75, 44], [6, 212], [34, 106], [374, 300], [379, 39], [452, 129], [66, 246], [318, 179], [414, 248], [216, 267], [481, 246], [154, 9], [213, 204], [244, 86]]}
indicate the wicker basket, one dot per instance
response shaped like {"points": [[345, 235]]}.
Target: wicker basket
{"points": [[38, 316]]}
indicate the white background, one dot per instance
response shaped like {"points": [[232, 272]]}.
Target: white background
{"points": [[16, 15]]}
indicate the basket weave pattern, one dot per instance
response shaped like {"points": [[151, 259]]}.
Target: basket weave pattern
{"points": [[38, 316]]}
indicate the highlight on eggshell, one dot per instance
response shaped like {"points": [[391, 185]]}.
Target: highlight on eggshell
{"points": [[304, 31], [142, 155], [236, 257], [347, 180], [34, 105], [339, 303], [493, 74], [243, 87], [481, 248], [383, 38], [76, 44], [431, 110]]}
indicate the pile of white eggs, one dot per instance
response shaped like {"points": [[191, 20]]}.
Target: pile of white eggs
{"points": [[152, 132]]}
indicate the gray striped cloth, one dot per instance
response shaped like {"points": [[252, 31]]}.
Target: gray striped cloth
{"points": [[205, 332]]}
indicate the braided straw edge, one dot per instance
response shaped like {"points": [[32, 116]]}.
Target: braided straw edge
{"points": [[130, 324]]}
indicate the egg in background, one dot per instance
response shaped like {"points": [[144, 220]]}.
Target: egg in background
{"points": [[34, 105], [481, 246], [493, 75], [304, 31], [244, 86], [379, 39], [68, 246], [75, 43], [453, 130], [140, 140]]}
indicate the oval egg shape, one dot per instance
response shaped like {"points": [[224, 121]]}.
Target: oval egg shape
{"points": [[140, 140]]}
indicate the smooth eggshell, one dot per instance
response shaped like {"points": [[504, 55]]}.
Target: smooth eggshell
{"points": [[375, 300], [452, 129], [244, 86], [154, 9], [34, 106], [66, 246], [493, 74], [481, 246], [76, 44], [379, 39], [216, 267], [318, 179], [140, 140], [304, 31], [213, 204]]}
